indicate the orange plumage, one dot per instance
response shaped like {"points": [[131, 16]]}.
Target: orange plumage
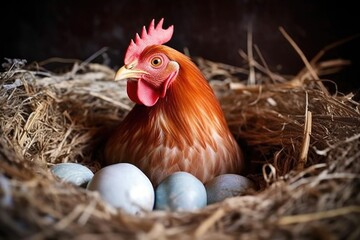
{"points": [[179, 126]]}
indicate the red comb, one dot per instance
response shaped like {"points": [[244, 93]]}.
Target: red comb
{"points": [[154, 36]]}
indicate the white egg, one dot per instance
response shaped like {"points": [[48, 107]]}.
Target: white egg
{"points": [[124, 186], [180, 191], [72, 173], [227, 185]]}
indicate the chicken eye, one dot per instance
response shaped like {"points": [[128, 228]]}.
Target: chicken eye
{"points": [[156, 61]]}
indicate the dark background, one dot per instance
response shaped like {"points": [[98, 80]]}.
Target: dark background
{"points": [[215, 30]]}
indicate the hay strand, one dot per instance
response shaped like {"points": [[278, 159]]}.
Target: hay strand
{"points": [[304, 218], [306, 139], [209, 222]]}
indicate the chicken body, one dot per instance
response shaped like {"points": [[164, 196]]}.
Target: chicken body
{"points": [[184, 131], [177, 123]]}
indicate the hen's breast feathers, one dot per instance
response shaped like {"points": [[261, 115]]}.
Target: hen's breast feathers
{"points": [[185, 131]]}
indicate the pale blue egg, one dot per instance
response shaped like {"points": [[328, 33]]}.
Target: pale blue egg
{"points": [[227, 185], [72, 173], [181, 191], [124, 186]]}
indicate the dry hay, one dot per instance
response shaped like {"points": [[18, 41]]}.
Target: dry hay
{"points": [[303, 145]]}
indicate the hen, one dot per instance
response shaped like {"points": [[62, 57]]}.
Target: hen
{"points": [[177, 123]]}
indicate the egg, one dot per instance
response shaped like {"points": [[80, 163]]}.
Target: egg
{"points": [[72, 173], [124, 186], [225, 186], [181, 191]]}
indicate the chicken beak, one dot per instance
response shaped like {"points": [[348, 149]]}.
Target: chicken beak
{"points": [[128, 73]]}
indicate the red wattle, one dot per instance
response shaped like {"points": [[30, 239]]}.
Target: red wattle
{"points": [[142, 93]]}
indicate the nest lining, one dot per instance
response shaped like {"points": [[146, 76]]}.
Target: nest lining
{"points": [[308, 177]]}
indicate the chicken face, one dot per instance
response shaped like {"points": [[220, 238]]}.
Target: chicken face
{"points": [[149, 76]]}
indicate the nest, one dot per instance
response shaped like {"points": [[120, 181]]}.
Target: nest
{"points": [[302, 144]]}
